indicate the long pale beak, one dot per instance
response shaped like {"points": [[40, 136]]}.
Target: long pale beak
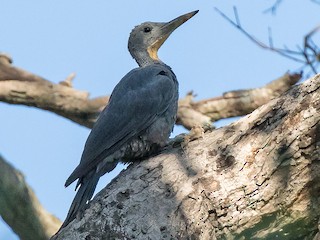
{"points": [[169, 27], [165, 32]]}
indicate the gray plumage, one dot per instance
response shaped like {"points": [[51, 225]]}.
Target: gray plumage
{"points": [[139, 117]]}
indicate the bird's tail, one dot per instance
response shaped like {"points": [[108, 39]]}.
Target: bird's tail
{"points": [[85, 192]]}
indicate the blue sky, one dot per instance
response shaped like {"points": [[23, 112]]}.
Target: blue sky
{"points": [[56, 38]]}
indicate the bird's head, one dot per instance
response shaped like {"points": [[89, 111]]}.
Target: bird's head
{"points": [[146, 38]]}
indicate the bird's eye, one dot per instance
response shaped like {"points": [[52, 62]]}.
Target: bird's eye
{"points": [[147, 29]]}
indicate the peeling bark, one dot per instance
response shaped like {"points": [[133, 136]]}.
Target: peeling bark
{"points": [[20, 208], [257, 178]]}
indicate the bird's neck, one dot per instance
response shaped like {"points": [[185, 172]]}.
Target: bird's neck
{"points": [[143, 58]]}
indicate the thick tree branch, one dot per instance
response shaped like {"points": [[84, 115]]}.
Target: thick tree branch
{"points": [[257, 178], [20, 87], [20, 208], [231, 104]]}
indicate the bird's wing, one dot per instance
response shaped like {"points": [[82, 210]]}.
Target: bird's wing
{"points": [[137, 100]]}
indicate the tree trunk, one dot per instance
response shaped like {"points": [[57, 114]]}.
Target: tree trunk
{"points": [[20, 208], [256, 178]]}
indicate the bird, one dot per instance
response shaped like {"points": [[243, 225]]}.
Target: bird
{"points": [[138, 118]]}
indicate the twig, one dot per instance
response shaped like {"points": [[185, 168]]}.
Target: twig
{"points": [[309, 55], [274, 7], [256, 41]]}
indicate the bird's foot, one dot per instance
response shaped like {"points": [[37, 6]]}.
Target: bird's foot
{"points": [[177, 140], [197, 132], [183, 139]]}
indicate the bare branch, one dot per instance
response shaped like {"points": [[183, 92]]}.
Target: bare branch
{"points": [[308, 56], [20, 208], [274, 7], [231, 104], [270, 37], [235, 11], [20, 87], [68, 81], [309, 45], [256, 41]]}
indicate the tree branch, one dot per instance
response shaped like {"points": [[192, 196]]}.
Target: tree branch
{"points": [[308, 55], [257, 178], [20, 87], [231, 104], [20, 208]]}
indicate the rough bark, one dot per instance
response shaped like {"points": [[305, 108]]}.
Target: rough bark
{"points": [[18, 86], [20, 208], [257, 178]]}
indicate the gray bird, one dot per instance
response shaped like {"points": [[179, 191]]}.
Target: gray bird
{"points": [[139, 117]]}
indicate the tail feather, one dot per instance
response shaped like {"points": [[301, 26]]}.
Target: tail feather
{"points": [[84, 194], [87, 185]]}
